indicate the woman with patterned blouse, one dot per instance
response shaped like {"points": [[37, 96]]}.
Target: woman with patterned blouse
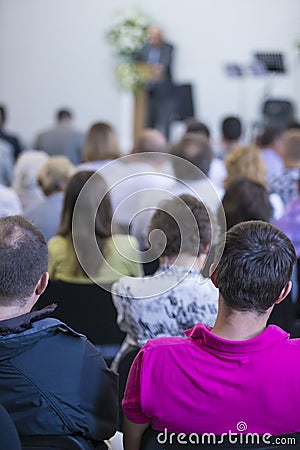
{"points": [[176, 296]]}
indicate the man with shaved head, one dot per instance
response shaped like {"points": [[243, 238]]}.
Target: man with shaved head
{"points": [[53, 381], [150, 140]]}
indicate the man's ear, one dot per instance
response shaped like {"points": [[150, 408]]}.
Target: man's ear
{"points": [[212, 274], [284, 293], [42, 284]]}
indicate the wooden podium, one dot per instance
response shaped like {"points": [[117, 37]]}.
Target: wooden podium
{"points": [[145, 73], [140, 112]]}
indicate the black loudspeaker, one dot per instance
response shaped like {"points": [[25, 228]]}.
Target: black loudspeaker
{"points": [[278, 113], [184, 104]]}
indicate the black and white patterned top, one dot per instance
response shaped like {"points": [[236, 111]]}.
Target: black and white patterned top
{"points": [[286, 185], [164, 304]]}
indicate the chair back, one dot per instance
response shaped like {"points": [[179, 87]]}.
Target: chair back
{"points": [[87, 308], [123, 370]]}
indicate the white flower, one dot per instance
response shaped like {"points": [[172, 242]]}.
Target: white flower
{"points": [[128, 34]]}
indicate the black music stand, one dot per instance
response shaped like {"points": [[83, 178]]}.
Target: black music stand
{"points": [[272, 62]]}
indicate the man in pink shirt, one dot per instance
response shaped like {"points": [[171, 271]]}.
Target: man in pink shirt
{"points": [[238, 372]]}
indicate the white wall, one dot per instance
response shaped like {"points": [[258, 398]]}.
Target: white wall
{"points": [[54, 53]]}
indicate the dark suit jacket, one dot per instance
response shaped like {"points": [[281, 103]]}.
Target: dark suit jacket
{"points": [[162, 88], [13, 141]]}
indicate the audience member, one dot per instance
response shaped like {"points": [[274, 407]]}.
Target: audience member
{"points": [[26, 177], [177, 296], [62, 139], [140, 176], [195, 126], [245, 200], [286, 184], [52, 379], [11, 139], [84, 249], [9, 202], [196, 150], [247, 162], [151, 141], [239, 368], [52, 178], [289, 222], [191, 160], [101, 147], [270, 143], [217, 170], [231, 134], [6, 164]]}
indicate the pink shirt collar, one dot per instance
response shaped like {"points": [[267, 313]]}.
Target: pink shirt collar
{"points": [[202, 335]]}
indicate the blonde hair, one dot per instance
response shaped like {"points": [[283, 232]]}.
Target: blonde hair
{"points": [[27, 168], [245, 161], [54, 174], [101, 143]]}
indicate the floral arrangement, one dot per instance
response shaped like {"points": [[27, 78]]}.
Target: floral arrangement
{"points": [[127, 36], [129, 77]]}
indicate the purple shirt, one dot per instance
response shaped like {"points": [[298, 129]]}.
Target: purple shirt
{"points": [[204, 383]]}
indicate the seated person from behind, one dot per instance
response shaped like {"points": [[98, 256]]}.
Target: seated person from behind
{"points": [[239, 368], [191, 160], [52, 379], [270, 143], [246, 161], [101, 147], [245, 200], [6, 136], [217, 170], [231, 130], [84, 250], [286, 183], [25, 182], [52, 177], [62, 139], [176, 296]]}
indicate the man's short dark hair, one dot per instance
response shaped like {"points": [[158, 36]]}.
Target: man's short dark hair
{"points": [[256, 264], [186, 225], [63, 114], [23, 259], [196, 126], [194, 148], [231, 128], [2, 115]]}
